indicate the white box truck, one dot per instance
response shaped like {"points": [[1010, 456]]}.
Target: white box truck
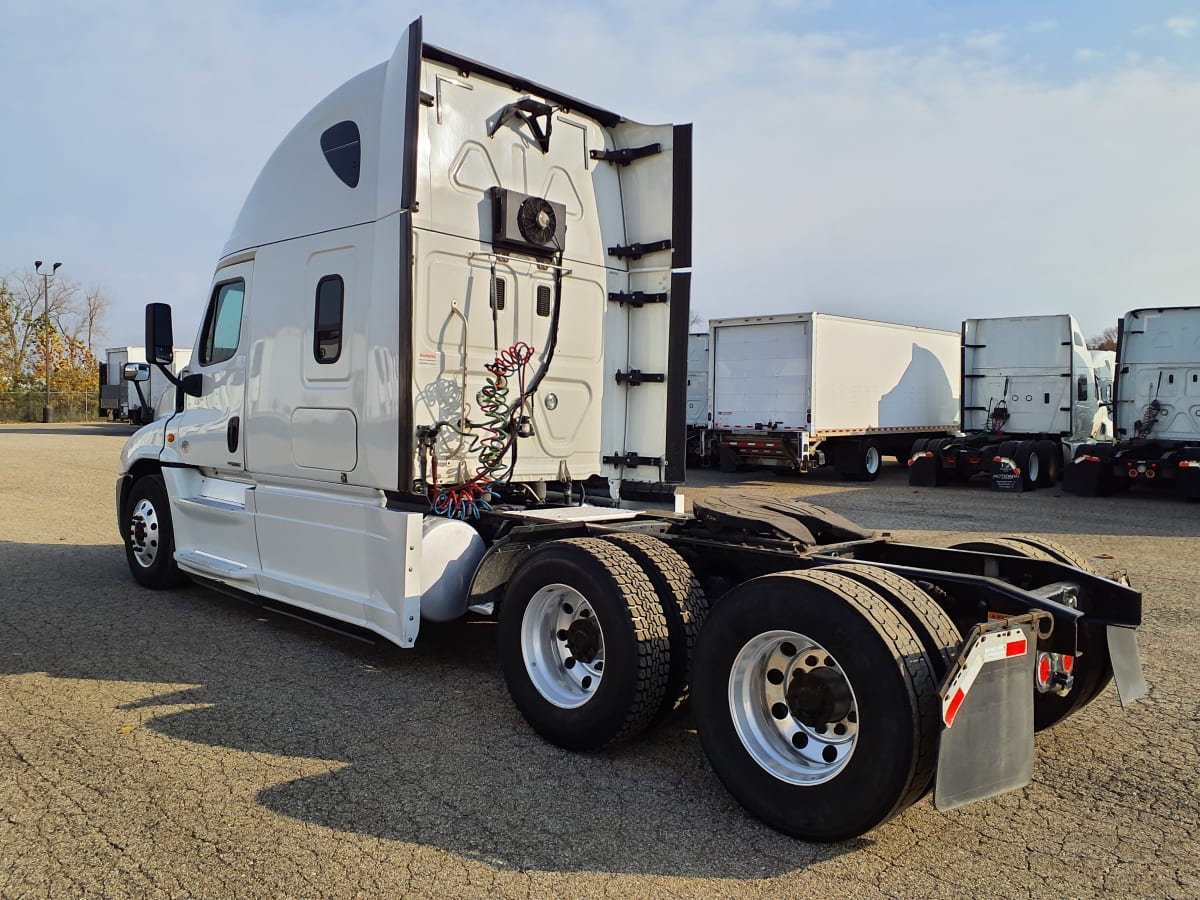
{"points": [[811, 389], [450, 296], [1156, 409], [125, 400], [1030, 396]]}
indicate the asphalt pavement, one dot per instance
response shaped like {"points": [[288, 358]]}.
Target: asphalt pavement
{"points": [[187, 744]]}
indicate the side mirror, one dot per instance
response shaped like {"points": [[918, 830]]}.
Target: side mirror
{"points": [[160, 342], [136, 372]]}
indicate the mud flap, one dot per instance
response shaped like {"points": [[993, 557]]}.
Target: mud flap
{"points": [[1085, 478], [1126, 663], [1006, 476], [986, 743], [923, 469]]}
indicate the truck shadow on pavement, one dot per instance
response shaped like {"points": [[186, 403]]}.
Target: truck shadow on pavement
{"points": [[420, 746]]}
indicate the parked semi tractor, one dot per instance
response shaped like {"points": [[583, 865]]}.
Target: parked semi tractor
{"points": [[1156, 409], [811, 389], [135, 398], [453, 294], [1029, 395]]}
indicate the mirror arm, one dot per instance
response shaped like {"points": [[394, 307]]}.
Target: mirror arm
{"points": [[191, 385]]}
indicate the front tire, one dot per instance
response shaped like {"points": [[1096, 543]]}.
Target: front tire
{"points": [[584, 644], [816, 704], [149, 535]]}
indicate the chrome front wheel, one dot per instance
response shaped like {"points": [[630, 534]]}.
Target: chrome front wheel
{"points": [[144, 533]]}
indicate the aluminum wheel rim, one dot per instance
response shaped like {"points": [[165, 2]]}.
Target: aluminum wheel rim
{"points": [[872, 460], [555, 621], [775, 738], [144, 533], [1034, 465]]}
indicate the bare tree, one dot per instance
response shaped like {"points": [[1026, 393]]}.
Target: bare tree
{"points": [[95, 306], [1106, 340]]}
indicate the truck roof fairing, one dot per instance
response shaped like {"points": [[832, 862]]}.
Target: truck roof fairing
{"points": [[297, 193]]}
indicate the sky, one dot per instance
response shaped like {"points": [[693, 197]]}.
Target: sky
{"points": [[920, 162]]}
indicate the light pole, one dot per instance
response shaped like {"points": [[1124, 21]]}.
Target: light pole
{"points": [[47, 411]]}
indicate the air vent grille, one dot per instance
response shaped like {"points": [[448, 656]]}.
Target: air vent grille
{"points": [[543, 300]]}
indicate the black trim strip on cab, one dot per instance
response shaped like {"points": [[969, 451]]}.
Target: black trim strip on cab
{"points": [[471, 67], [677, 347], [404, 360], [412, 108], [681, 197]]}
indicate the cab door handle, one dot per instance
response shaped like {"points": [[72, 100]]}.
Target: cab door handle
{"points": [[231, 434]]}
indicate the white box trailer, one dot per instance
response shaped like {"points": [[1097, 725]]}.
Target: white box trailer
{"points": [[1030, 395], [450, 296], [810, 389], [133, 401], [1156, 409]]}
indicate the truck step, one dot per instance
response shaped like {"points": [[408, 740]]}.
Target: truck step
{"points": [[211, 503], [213, 566]]}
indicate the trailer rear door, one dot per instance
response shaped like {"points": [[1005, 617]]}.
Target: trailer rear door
{"points": [[761, 375]]}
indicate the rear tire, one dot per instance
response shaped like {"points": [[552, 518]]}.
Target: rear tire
{"points": [[1050, 459], [583, 643], [1093, 665], [1029, 463], [859, 460], [683, 604], [932, 625], [727, 459], [787, 669]]}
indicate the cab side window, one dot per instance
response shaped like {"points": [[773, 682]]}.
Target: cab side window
{"points": [[223, 323], [327, 335]]}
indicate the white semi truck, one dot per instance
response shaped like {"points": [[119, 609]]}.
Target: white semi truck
{"points": [[1030, 396], [453, 294], [810, 389], [699, 410], [135, 400], [1156, 409]]}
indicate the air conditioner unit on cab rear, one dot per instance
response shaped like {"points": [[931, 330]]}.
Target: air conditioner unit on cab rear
{"points": [[525, 224]]}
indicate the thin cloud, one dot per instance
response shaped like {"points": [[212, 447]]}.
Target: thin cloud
{"points": [[1043, 25], [986, 41], [1088, 55], [1180, 26]]}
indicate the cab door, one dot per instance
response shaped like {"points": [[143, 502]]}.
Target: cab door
{"points": [[209, 433], [211, 495]]}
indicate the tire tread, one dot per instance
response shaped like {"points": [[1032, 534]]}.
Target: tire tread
{"points": [[684, 605]]}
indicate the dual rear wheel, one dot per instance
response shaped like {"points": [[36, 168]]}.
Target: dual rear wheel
{"points": [[596, 637], [815, 692]]}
